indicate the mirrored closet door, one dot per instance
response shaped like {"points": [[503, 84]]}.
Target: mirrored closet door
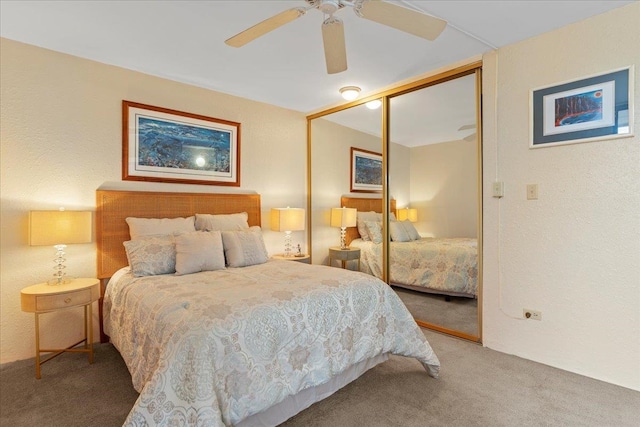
{"points": [[434, 178], [429, 200]]}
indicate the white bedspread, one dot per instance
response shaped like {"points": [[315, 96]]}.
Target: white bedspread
{"points": [[444, 265], [213, 348]]}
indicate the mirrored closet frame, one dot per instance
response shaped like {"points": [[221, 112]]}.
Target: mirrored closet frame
{"points": [[385, 96]]}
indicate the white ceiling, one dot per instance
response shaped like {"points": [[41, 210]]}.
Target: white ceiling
{"points": [[184, 41]]}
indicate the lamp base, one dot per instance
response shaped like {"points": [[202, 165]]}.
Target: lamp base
{"points": [[60, 280], [343, 238]]}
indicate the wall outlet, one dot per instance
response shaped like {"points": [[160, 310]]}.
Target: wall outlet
{"points": [[532, 191], [531, 314]]}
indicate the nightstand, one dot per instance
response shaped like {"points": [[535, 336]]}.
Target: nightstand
{"points": [[344, 255], [45, 298], [304, 258]]}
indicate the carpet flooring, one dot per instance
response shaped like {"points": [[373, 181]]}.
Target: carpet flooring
{"points": [[477, 387]]}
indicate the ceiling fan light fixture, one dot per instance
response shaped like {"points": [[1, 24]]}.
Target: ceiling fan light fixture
{"points": [[350, 92], [374, 105]]}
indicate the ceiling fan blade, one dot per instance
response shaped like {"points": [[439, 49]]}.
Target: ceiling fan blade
{"points": [[470, 138], [262, 28], [466, 127], [335, 52], [403, 19]]}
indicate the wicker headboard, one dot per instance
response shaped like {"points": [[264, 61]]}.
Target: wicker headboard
{"points": [[363, 204], [112, 207]]}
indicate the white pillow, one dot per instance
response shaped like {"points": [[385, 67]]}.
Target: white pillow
{"points": [[222, 222], [149, 256], [361, 218], [398, 232], [199, 251], [245, 247], [374, 229], [139, 227], [410, 229]]}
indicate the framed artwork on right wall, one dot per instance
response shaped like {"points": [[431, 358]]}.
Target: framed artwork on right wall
{"points": [[592, 108]]}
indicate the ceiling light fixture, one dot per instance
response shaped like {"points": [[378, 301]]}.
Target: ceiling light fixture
{"points": [[374, 105], [350, 92]]}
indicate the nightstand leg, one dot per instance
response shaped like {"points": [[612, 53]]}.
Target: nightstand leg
{"points": [[37, 347], [89, 330]]}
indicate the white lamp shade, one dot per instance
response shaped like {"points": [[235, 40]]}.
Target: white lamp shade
{"points": [[287, 219], [410, 214], [343, 217], [59, 227]]}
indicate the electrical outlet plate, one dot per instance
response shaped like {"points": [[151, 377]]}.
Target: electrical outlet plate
{"points": [[531, 314], [532, 191]]}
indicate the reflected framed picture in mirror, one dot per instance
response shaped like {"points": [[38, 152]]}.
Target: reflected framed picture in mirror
{"points": [[366, 171]]}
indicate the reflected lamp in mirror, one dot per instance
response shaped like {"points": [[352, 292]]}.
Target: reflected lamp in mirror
{"points": [[407, 213], [59, 229], [287, 220], [343, 218]]}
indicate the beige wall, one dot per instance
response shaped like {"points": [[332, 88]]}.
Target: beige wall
{"points": [[61, 140], [574, 253], [444, 188]]}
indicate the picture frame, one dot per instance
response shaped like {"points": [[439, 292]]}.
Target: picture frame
{"points": [[593, 108], [164, 145], [366, 171]]}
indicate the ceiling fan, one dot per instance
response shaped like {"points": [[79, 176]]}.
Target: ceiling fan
{"points": [[398, 17], [471, 137]]}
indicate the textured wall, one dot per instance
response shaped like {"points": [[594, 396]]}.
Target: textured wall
{"points": [[574, 253], [444, 188], [61, 140]]}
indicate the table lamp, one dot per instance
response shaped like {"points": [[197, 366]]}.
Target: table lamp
{"points": [[343, 218], [59, 228], [287, 220], [408, 213]]}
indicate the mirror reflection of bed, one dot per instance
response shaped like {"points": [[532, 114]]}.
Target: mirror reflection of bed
{"points": [[435, 172], [436, 278]]}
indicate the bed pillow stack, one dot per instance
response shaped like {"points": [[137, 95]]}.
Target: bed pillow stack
{"points": [[204, 242], [403, 231], [370, 225]]}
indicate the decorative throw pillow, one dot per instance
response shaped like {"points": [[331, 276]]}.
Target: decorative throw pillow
{"points": [[398, 233], [151, 255], [410, 229], [139, 227], [374, 228], [199, 251], [222, 222], [245, 247], [361, 218]]}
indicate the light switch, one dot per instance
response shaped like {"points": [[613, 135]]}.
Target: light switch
{"points": [[532, 191], [498, 189]]}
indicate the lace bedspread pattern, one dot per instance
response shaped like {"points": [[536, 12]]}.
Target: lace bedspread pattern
{"points": [[443, 264], [213, 348]]}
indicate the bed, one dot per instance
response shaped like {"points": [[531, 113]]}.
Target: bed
{"points": [[250, 345], [447, 266]]}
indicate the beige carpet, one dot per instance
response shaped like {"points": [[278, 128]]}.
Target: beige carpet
{"points": [[477, 387]]}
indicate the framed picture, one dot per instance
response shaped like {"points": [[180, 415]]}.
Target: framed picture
{"points": [[165, 145], [366, 171], [594, 108]]}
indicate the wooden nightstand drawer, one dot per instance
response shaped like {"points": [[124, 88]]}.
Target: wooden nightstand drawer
{"points": [[55, 302]]}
